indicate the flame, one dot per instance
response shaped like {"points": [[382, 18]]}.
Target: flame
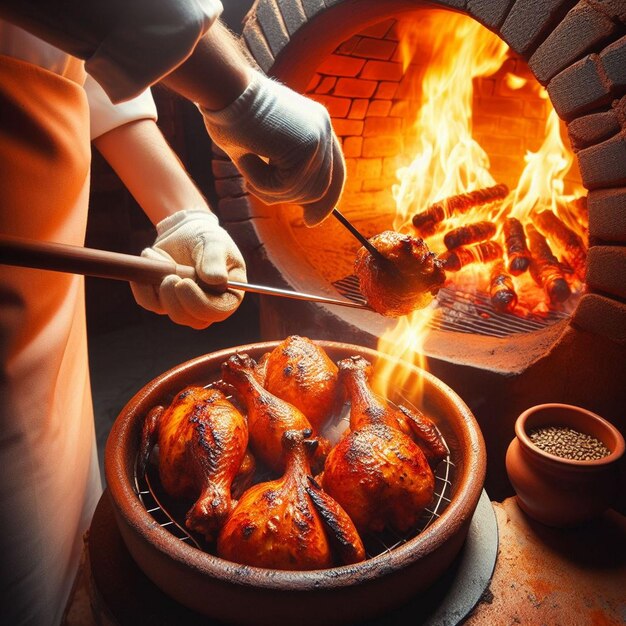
{"points": [[447, 161]]}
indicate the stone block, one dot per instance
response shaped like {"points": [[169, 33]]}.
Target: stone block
{"points": [[379, 108], [529, 22], [326, 85], [606, 270], [579, 88], [588, 130], [613, 59], [607, 215], [293, 14], [615, 9], [358, 109], [386, 90], [346, 128], [257, 45], [382, 70], [371, 48], [224, 168], [337, 107], [581, 31], [235, 209], [355, 88], [381, 126], [604, 165], [602, 316], [369, 168], [491, 13], [230, 187], [352, 147], [312, 7], [272, 24], [382, 146], [341, 65]]}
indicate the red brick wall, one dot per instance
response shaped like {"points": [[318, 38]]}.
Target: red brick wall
{"points": [[373, 103]]}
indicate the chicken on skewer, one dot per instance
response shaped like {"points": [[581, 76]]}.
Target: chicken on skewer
{"points": [[301, 373], [290, 523], [268, 416], [377, 472], [408, 279], [202, 440]]}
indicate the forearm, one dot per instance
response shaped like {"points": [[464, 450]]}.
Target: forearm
{"points": [[215, 74], [149, 169]]}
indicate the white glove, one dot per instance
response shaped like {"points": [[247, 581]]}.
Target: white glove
{"points": [[194, 237], [283, 144]]}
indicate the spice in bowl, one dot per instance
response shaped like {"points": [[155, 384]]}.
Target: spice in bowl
{"points": [[567, 443]]}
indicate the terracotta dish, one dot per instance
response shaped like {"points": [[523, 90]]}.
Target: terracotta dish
{"points": [[240, 594]]}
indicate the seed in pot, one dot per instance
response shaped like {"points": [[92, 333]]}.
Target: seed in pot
{"points": [[568, 443]]}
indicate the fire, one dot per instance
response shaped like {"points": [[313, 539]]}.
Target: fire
{"points": [[448, 161]]}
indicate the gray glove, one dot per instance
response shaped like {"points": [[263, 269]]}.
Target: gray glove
{"points": [[284, 145]]}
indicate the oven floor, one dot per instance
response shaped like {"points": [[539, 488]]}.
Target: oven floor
{"points": [[124, 359]]}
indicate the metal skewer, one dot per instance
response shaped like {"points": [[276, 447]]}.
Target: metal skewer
{"points": [[362, 239], [105, 264]]}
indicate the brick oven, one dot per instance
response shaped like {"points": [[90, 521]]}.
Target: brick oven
{"points": [[347, 54]]}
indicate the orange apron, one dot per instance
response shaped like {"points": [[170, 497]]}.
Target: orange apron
{"points": [[49, 477]]}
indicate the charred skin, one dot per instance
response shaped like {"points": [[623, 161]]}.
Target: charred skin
{"points": [[380, 477], [367, 408], [482, 252], [202, 442], [301, 373], [408, 281], [501, 289], [545, 268], [426, 221], [377, 472], [472, 233], [517, 252], [268, 416], [278, 525]]}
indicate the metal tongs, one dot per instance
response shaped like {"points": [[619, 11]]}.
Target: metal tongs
{"points": [[105, 264]]}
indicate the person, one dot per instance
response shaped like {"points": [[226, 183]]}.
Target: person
{"points": [[282, 142]]}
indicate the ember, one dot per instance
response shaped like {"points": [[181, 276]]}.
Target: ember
{"points": [[523, 247]]}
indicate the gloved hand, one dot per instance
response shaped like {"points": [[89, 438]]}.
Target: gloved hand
{"points": [[283, 144], [194, 237]]}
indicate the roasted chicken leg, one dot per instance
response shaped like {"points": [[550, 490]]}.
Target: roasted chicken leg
{"points": [[376, 472], [301, 373], [407, 279], [268, 416], [202, 440], [290, 523]]}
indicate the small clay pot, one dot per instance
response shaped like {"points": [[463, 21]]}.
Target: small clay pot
{"points": [[556, 491]]}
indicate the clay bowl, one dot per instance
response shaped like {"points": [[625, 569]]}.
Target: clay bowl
{"points": [[557, 491], [234, 593]]}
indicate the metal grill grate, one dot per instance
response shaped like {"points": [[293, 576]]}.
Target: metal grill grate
{"points": [[465, 312], [170, 514]]}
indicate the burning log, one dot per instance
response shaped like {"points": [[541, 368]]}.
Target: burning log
{"points": [[579, 210], [482, 252], [501, 289], [439, 211], [517, 251], [545, 268], [575, 250], [472, 233]]}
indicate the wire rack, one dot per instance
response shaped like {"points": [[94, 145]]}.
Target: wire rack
{"points": [[466, 312], [170, 515]]}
